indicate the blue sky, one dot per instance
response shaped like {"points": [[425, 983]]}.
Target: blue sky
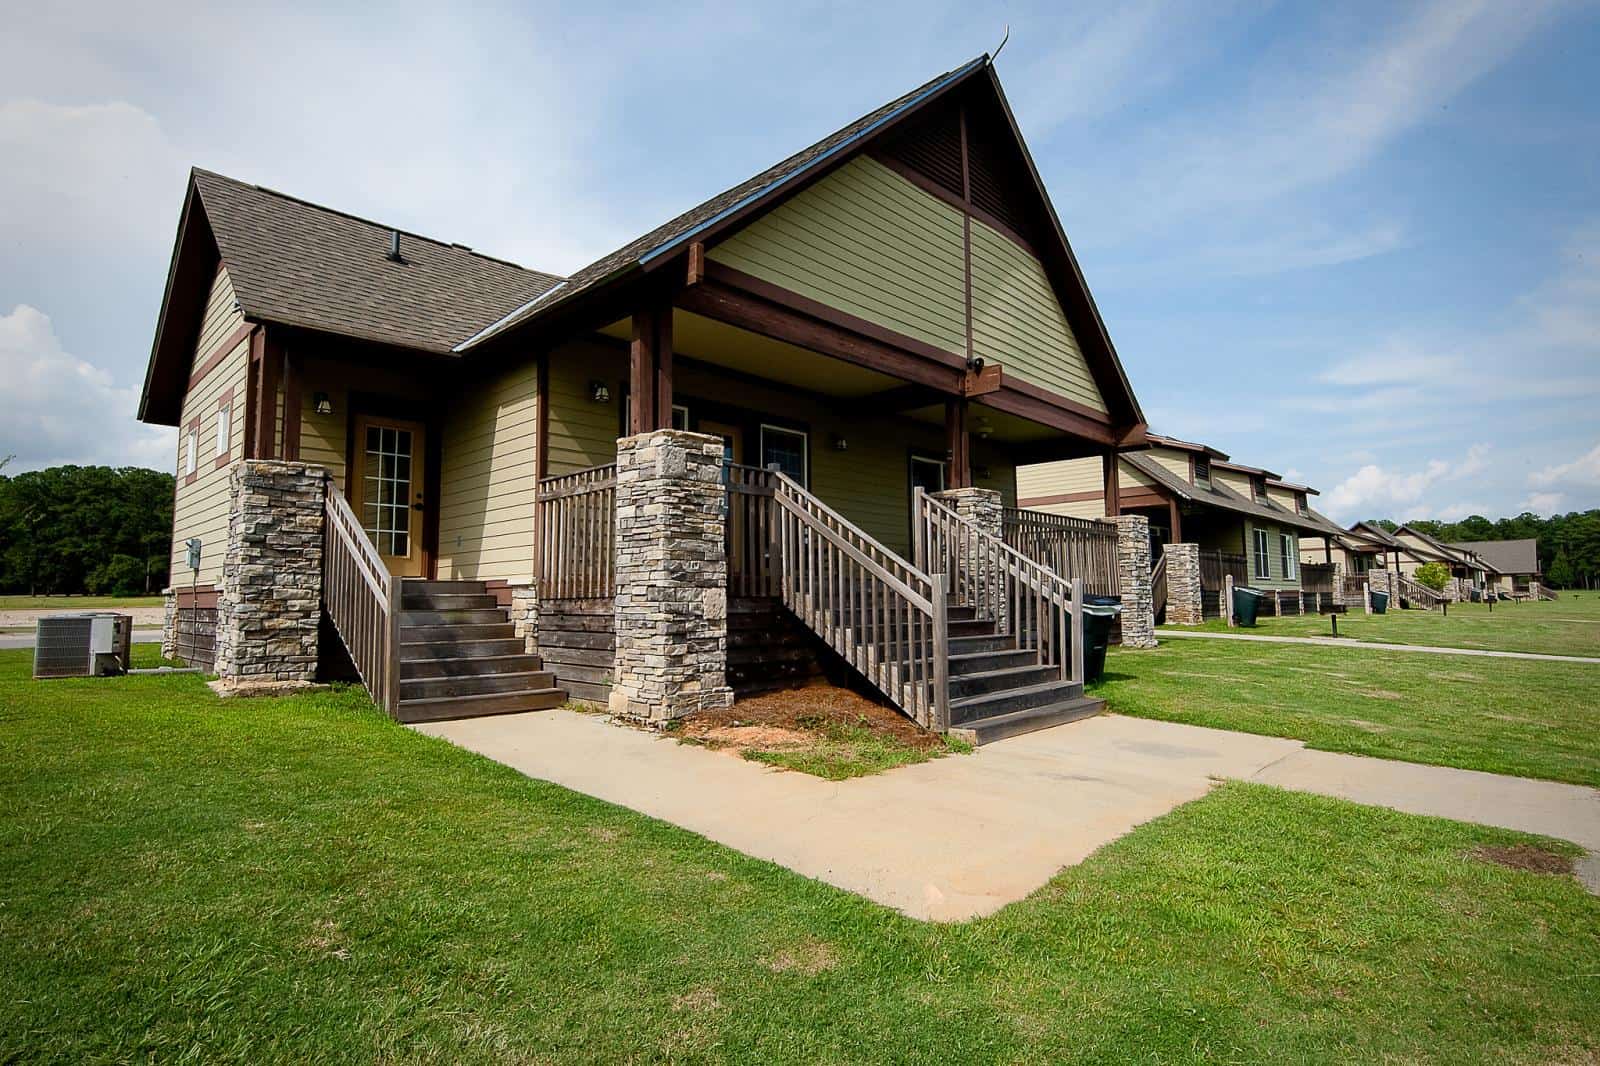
{"points": [[1358, 244]]}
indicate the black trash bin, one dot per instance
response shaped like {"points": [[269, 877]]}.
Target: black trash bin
{"points": [[1477, 596], [1246, 602], [1099, 612], [1380, 602]]}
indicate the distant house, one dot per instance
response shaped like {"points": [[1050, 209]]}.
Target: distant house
{"points": [[1468, 572], [1514, 563]]}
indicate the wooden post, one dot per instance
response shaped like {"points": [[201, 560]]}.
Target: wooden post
{"points": [[1111, 466], [663, 353], [1227, 599], [1175, 517], [1366, 596], [267, 398], [642, 371], [292, 376], [959, 444], [941, 655], [1079, 649], [919, 547]]}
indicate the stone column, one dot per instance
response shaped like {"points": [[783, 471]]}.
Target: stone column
{"points": [[1337, 598], [169, 624], [672, 577], [525, 614], [270, 604], [1183, 585], [1133, 565], [985, 510]]}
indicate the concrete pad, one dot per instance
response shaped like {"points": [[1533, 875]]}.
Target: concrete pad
{"points": [[960, 837], [1549, 808]]}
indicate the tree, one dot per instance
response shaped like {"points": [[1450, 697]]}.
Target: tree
{"points": [[64, 526], [1434, 575], [1561, 574]]}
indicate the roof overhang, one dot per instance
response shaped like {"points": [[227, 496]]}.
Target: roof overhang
{"points": [[189, 276]]}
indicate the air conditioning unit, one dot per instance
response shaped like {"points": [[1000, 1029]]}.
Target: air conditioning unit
{"points": [[82, 645]]}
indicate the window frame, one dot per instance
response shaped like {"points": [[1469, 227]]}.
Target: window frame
{"points": [[1202, 469], [805, 448], [678, 409], [191, 458], [1262, 555], [1289, 553], [222, 434]]}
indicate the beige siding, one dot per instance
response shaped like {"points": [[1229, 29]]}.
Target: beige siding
{"points": [[870, 243], [324, 438], [1239, 483], [201, 509], [1170, 459], [584, 433], [1128, 474], [1018, 323], [1063, 477], [488, 476]]}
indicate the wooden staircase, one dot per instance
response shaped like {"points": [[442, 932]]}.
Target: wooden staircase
{"points": [[999, 690], [460, 656]]}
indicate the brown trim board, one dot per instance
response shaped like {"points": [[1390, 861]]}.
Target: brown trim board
{"points": [[223, 350], [226, 400]]}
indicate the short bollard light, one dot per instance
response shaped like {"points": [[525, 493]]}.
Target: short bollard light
{"points": [[1335, 624]]}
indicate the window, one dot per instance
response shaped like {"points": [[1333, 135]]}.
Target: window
{"points": [[191, 444], [1263, 567], [785, 449], [224, 429], [1258, 487], [1202, 468], [1300, 502], [680, 416], [1288, 554], [927, 474]]}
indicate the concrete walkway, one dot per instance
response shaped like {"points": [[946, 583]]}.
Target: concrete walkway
{"points": [[1344, 642], [963, 836]]}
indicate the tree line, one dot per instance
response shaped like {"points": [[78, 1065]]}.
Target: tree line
{"points": [[1569, 544], [100, 530]]}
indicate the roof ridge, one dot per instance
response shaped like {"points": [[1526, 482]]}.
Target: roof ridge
{"points": [[280, 194]]}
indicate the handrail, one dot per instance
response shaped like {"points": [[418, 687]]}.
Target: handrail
{"points": [[1038, 608], [1158, 584], [1418, 592], [1072, 547], [575, 517], [362, 599], [881, 614]]}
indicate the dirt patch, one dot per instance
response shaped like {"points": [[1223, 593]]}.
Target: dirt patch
{"points": [[1525, 857], [809, 958], [327, 938], [697, 999], [1382, 694], [794, 718]]}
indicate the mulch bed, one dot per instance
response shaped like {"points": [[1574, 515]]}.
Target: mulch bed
{"points": [[1525, 857], [795, 717]]}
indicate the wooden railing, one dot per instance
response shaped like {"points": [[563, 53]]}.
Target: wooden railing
{"points": [[750, 532], [1217, 565], [362, 599], [1158, 586], [576, 516], [1355, 588], [1419, 594], [1546, 593], [884, 616], [1068, 547], [1036, 607]]}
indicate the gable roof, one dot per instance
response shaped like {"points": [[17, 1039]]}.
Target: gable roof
{"points": [[1376, 534], [296, 263], [1439, 547], [1162, 441], [733, 206], [1219, 495], [1506, 556]]}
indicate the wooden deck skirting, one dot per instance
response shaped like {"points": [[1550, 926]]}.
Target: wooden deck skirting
{"points": [[578, 642]]}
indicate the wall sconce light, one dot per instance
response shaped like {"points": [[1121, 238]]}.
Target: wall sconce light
{"points": [[985, 429], [598, 392], [840, 444], [321, 404]]}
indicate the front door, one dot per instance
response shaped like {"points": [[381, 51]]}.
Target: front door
{"points": [[388, 487]]}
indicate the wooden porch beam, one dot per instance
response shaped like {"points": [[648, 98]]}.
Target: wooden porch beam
{"points": [[268, 373], [663, 353], [897, 399], [642, 370], [959, 444], [1109, 466], [292, 378], [1175, 518]]}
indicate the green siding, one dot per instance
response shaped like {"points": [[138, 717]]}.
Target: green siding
{"points": [[1276, 578]]}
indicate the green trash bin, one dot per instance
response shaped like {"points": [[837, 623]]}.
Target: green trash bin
{"points": [[1099, 612], [1380, 602], [1246, 602]]}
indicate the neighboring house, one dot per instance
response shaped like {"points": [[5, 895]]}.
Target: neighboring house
{"points": [[1249, 517], [1513, 564], [1468, 571], [894, 308]]}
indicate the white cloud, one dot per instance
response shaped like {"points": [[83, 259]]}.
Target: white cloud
{"points": [[1544, 503], [57, 408], [1394, 361], [1374, 489], [1584, 470]]}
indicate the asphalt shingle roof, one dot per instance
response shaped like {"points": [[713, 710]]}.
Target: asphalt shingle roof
{"points": [[1506, 556], [299, 264], [1218, 495]]}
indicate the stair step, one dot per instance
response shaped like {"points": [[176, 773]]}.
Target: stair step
{"points": [[410, 619], [474, 684], [988, 730], [444, 588], [445, 634], [460, 649], [974, 645], [984, 661], [470, 665], [447, 601], [972, 627], [434, 710], [991, 704], [960, 614], [998, 680]]}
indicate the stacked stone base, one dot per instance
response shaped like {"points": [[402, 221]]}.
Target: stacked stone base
{"points": [[1133, 565], [1184, 593]]}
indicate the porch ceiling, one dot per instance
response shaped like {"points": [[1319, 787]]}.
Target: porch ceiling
{"points": [[745, 352]]}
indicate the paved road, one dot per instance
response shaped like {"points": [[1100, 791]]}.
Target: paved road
{"points": [[960, 837], [1342, 642], [25, 640]]}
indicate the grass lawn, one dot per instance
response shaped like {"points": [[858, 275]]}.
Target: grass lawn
{"points": [[1568, 626], [1531, 718], [301, 880], [75, 603]]}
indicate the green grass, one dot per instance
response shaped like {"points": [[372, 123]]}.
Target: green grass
{"points": [[75, 603], [1509, 716], [301, 880], [840, 751], [1568, 626]]}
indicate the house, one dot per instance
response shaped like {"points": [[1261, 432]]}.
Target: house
{"points": [[1513, 565], [1245, 521], [778, 428], [1468, 571]]}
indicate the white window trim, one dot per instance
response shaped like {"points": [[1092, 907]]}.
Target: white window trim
{"points": [[1289, 552], [805, 448], [944, 468], [224, 428], [677, 409], [191, 461], [1261, 565]]}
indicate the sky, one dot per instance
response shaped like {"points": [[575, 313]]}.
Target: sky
{"points": [[1357, 244]]}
